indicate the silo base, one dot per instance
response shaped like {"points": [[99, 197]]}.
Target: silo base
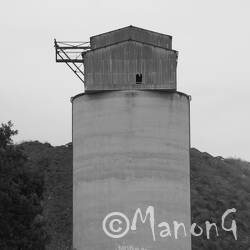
{"points": [[131, 170]]}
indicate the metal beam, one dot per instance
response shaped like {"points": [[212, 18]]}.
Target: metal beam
{"points": [[74, 47], [72, 54], [76, 73], [69, 60]]}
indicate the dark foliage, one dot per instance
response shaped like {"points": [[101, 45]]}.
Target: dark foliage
{"points": [[56, 163], [21, 190], [219, 184]]}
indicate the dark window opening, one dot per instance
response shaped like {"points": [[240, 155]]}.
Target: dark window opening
{"points": [[138, 78]]}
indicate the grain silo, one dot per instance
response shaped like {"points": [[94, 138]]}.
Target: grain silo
{"points": [[131, 141]]}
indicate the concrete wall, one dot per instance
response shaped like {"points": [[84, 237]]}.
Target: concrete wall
{"points": [[130, 150], [132, 33], [115, 67]]}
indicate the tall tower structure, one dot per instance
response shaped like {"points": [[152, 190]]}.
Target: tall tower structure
{"points": [[131, 142]]}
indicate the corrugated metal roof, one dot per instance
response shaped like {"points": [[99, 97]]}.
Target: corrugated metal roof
{"points": [[131, 33]]}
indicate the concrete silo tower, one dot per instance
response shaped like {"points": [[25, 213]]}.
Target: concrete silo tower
{"points": [[131, 141]]}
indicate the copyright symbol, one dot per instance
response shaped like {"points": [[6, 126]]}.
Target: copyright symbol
{"points": [[115, 225]]}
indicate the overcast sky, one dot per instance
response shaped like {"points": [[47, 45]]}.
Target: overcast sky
{"points": [[212, 37]]}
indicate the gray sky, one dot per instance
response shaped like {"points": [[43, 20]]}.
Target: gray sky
{"points": [[212, 37]]}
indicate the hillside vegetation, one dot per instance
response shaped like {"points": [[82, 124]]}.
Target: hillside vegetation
{"points": [[43, 175], [57, 197], [217, 184], [22, 224]]}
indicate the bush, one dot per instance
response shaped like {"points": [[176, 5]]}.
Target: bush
{"points": [[22, 226]]}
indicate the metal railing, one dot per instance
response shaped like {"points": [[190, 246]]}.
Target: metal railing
{"points": [[72, 53]]}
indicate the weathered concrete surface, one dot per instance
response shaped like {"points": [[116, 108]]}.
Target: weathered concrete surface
{"points": [[130, 150]]}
